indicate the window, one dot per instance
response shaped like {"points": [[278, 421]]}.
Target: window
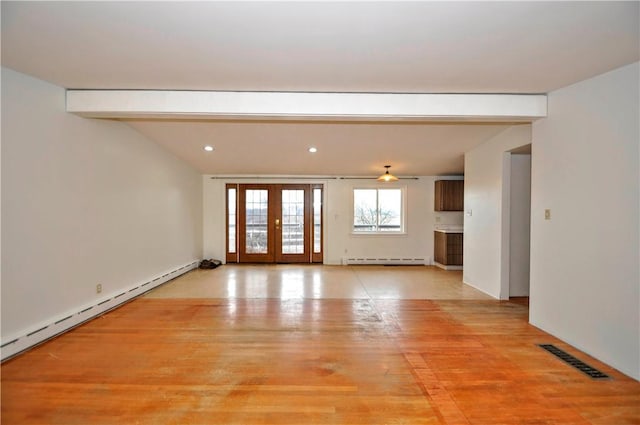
{"points": [[232, 219], [378, 211], [317, 220]]}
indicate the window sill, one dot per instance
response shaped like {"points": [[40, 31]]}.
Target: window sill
{"points": [[378, 233]]}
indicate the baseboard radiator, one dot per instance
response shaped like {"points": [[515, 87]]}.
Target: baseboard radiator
{"points": [[385, 261], [16, 344]]}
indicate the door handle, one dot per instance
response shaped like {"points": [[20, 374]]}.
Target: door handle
{"points": [[277, 223]]}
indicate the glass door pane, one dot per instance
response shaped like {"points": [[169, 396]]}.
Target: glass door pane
{"points": [[231, 220], [256, 213], [293, 221], [317, 220]]}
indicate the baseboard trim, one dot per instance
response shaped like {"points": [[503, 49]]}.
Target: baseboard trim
{"points": [[348, 261], [479, 289], [38, 334], [445, 267]]}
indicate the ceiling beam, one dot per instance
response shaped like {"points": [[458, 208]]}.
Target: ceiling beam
{"points": [[171, 104]]}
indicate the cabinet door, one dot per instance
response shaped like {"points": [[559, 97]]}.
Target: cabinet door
{"points": [[447, 248], [449, 195], [440, 247], [454, 249]]}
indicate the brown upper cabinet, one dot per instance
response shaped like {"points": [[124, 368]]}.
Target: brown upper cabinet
{"points": [[449, 195]]}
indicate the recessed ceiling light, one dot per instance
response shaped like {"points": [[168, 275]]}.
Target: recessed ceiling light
{"points": [[208, 148], [313, 149]]}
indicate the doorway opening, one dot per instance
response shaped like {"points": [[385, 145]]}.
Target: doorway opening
{"points": [[274, 223], [517, 225]]}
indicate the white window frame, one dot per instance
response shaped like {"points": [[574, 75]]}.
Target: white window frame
{"points": [[403, 212]]}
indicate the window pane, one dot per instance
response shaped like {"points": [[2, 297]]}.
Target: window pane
{"points": [[256, 216], [365, 212], [389, 210], [231, 214], [317, 220], [377, 210], [293, 221]]}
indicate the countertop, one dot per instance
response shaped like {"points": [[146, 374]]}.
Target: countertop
{"points": [[449, 229]]}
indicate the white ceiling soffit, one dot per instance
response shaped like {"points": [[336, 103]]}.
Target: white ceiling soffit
{"points": [[324, 106]]}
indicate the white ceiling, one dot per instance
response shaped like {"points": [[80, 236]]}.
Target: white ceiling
{"points": [[397, 47], [343, 148]]}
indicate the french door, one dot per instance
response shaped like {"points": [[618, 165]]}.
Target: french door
{"points": [[274, 223]]}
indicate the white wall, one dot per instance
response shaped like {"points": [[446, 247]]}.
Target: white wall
{"points": [[338, 240], [84, 202], [420, 220], [584, 261], [519, 225], [486, 221]]}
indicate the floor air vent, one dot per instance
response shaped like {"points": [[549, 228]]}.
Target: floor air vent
{"points": [[578, 364]]}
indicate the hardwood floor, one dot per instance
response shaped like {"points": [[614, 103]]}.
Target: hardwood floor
{"points": [[311, 360]]}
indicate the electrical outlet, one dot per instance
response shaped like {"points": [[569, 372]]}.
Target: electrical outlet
{"points": [[99, 288], [437, 219]]}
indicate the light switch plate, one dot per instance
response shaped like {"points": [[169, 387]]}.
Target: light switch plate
{"points": [[547, 214]]}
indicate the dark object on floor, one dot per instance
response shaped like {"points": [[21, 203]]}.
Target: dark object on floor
{"points": [[210, 264], [578, 364]]}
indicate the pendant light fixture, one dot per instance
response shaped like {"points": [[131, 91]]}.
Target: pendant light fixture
{"points": [[387, 177]]}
